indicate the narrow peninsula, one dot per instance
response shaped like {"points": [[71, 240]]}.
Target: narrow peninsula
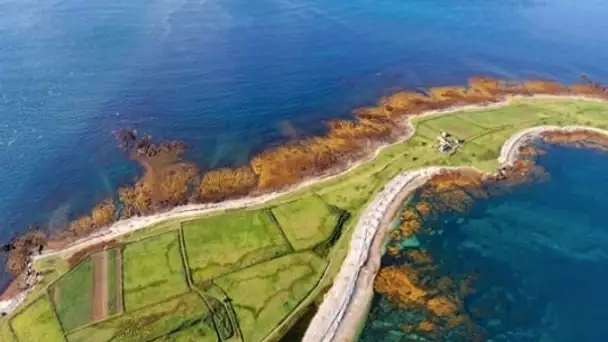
{"points": [[241, 254]]}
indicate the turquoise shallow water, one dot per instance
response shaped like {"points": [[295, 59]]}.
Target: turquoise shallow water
{"points": [[541, 253], [231, 77]]}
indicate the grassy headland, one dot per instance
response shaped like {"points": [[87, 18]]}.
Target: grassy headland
{"points": [[208, 261]]}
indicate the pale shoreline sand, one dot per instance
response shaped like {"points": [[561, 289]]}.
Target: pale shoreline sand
{"points": [[346, 305], [130, 225]]}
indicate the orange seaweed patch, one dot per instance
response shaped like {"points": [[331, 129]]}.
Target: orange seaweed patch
{"points": [[545, 87], [577, 138], [102, 214], [168, 182], [392, 250], [158, 189], [401, 285], [287, 165], [416, 288], [218, 185], [426, 326], [423, 208], [442, 306], [419, 257], [409, 228]]}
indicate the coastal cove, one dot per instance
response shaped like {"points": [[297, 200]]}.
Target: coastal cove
{"points": [[518, 265], [484, 130]]}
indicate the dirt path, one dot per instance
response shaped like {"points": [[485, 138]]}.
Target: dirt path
{"points": [[99, 307], [118, 277], [57, 295]]}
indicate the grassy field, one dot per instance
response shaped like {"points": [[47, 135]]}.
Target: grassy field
{"points": [[37, 323], [224, 247], [5, 331], [223, 243], [306, 221], [184, 315], [153, 271], [72, 296], [264, 294], [113, 294]]}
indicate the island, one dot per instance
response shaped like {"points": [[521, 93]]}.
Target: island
{"points": [[298, 230]]}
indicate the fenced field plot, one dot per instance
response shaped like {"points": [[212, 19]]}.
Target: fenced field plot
{"points": [[306, 221], [220, 244], [152, 271], [72, 295], [37, 323], [266, 293], [185, 316]]}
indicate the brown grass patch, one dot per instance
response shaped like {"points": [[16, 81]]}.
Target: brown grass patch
{"points": [[82, 254]]}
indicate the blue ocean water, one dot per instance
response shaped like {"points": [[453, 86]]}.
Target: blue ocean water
{"points": [[540, 254], [231, 77]]}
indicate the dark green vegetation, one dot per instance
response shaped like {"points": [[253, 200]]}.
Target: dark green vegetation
{"points": [[113, 288], [249, 274], [72, 296]]}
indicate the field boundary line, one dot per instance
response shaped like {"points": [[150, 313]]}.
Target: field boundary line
{"points": [[64, 332], [234, 320], [184, 256], [122, 279], [297, 312], [119, 281], [10, 328], [308, 250], [142, 238], [24, 308], [186, 265], [273, 218], [109, 318]]}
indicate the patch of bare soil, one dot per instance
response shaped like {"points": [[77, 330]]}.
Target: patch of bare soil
{"points": [[14, 287]]}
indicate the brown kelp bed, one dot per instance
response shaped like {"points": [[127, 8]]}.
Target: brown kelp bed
{"points": [[416, 281], [169, 181]]}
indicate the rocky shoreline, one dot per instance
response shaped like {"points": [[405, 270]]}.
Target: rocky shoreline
{"points": [[346, 305], [131, 224]]}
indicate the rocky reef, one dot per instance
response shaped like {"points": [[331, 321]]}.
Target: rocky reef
{"points": [[169, 181]]}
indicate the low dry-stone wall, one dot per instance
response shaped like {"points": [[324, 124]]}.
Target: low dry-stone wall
{"points": [[344, 292]]}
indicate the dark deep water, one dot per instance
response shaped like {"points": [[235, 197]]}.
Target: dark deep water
{"points": [[231, 77], [542, 248]]}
